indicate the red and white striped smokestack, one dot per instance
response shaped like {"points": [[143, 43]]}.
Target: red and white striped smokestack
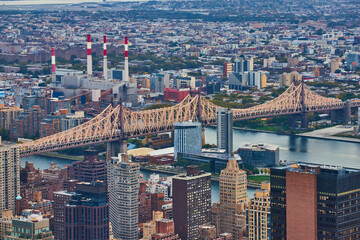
{"points": [[89, 56], [53, 66], [105, 61], [126, 65]]}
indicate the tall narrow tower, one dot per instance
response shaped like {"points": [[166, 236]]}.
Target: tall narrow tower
{"points": [[233, 199], [89, 56], [53, 66], [105, 61], [126, 64], [123, 183], [224, 130]]}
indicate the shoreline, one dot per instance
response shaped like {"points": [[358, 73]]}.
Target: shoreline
{"points": [[60, 156], [332, 138]]}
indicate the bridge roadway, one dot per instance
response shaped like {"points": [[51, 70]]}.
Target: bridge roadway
{"points": [[119, 123]]}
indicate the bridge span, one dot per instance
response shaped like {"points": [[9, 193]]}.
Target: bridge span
{"points": [[118, 123]]}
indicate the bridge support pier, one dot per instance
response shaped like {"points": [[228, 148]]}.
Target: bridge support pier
{"points": [[341, 115], [347, 113], [115, 147], [297, 121], [123, 146]]}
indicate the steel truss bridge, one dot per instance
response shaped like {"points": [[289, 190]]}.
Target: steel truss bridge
{"points": [[118, 122]]}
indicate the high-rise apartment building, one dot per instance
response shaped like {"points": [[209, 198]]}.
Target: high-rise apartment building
{"points": [[233, 199], [144, 204], [87, 214], [242, 65], [228, 68], [158, 82], [32, 227], [312, 201], [225, 130], [258, 214], [123, 182], [9, 177], [286, 79], [334, 65], [187, 138], [191, 202]]}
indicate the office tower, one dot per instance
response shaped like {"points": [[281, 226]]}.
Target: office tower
{"points": [[32, 227], [123, 182], [9, 177], [191, 202], [87, 214], [259, 155], [91, 169], [144, 204], [233, 199], [61, 199], [228, 68], [225, 130], [258, 214], [187, 138], [312, 201], [238, 80], [207, 232], [158, 82], [242, 65]]}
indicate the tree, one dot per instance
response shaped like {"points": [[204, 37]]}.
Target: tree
{"points": [[205, 167]]}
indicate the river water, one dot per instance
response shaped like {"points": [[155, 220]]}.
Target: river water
{"points": [[292, 148]]}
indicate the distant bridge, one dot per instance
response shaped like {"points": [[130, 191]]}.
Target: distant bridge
{"points": [[120, 123]]}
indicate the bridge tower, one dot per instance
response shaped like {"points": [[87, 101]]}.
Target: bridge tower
{"points": [[200, 120], [302, 117], [342, 115], [118, 145]]}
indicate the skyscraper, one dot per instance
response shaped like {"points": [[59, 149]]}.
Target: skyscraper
{"points": [[187, 138], [123, 182], [258, 214], [233, 199], [312, 201], [9, 177], [191, 202], [224, 130], [91, 169], [87, 214], [58, 224]]}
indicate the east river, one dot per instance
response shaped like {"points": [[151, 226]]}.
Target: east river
{"points": [[292, 148]]}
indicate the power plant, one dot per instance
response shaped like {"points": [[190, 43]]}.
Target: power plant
{"points": [[114, 85]]}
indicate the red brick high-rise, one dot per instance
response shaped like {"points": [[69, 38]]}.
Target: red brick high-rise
{"points": [[91, 169], [144, 204]]}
